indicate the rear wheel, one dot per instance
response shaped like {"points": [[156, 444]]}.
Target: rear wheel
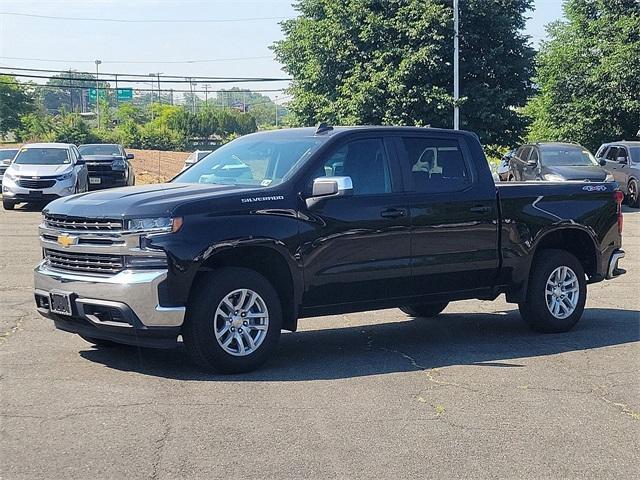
{"points": [[426, 310], [7, 205], [233, 320], [556, 293], [633, 199]]}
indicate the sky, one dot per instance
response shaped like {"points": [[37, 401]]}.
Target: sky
{"points": [[235, 45]]}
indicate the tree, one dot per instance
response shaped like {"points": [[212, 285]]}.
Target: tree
{"points": [[68, 92], [390, 62], [588, 75], [15, 100]]}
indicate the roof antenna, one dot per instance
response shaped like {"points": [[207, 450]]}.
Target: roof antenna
{"points": [[323, 127]]}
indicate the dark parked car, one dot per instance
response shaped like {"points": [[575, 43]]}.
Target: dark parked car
{"points": [[622, 160], [308, 222], [556, 162], [6, 155], [503, 167], [108, 165]]}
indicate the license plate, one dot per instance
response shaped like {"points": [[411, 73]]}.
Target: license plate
{"points": [[60, 302], [35, 193], [95, 180]]}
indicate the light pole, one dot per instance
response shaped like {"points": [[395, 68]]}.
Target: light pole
{"points": [[98, 62], [156, 75], [276, 104], [456, 68]]}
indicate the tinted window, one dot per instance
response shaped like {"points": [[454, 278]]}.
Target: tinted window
{"points": [[436, 165], [524, 154], [7, 154], [573, 155], [612, 154], [100, 150], [43, 156], [622, 152], [533, 156], [635, 154], [365, 161]]}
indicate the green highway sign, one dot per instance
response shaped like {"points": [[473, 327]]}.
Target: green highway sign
{"points": [[125, 94], [92, 94]]}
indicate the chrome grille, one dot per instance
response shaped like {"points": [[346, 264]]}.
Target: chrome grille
{"points": [[30, 183], [83, 224], [84, 262]]}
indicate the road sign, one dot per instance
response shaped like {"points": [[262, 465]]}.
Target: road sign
{"points": [[92, 94], [125, 94]]}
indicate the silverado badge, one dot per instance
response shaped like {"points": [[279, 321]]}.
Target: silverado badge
{"points": [[67, 240]]}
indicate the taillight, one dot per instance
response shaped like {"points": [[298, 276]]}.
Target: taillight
{"points": [[619, 197]]}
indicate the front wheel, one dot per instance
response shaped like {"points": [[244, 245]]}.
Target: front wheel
{"points": [[233, 320], [426, 310], [633, 199], [556, 293]]}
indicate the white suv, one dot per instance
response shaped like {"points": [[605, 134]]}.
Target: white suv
{"points": [[42, 172]]}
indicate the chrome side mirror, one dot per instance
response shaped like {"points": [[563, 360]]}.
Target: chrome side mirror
{"points": [[329, 187]]}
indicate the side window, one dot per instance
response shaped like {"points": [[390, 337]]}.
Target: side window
{"points": [[72, 155], [524, 154], [622, 152], [533, 156], [612, 154], [436, 165], [365, 161]]}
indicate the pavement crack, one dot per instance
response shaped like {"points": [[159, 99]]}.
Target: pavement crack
{"points": [[159, 446]]}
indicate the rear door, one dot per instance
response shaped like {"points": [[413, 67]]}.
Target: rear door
{"points": [[522, 163], [454, 216], [357, 247]]}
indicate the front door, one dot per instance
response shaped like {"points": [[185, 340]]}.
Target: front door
{"points": [[357, 247]]}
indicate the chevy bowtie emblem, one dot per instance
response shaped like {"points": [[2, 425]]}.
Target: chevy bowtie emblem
{"points": [[67, 240], [35, 178]]}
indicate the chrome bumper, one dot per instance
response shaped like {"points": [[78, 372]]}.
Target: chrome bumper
{"points": [[136, 289], [613, 270]]}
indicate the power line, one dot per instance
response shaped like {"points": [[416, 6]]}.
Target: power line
{"points": [[125, 20], [124, 80], [138, 75], [176, 62]]}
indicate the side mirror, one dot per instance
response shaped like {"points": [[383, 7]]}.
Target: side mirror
{"points": [[329, 187], [130, 156], [80, 161], [622, 160], [532, 163], [602, 162]]}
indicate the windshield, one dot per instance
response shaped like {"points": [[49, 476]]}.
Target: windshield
{"points": [[7, 154], [42, 156], [99, 150], [260, 160], [565, 156]]}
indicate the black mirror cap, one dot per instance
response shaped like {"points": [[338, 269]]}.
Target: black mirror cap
{"points": [[130, 156], [602, 162]]}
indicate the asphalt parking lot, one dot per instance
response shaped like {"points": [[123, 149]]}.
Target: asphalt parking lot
{"points": [[471, 394]]}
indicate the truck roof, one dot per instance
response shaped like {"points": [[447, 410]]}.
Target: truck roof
{"points": [[333, 130], [46, 145]]}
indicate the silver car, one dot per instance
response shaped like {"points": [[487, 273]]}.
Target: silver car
{"points": [[42, 172], [622, 160]]}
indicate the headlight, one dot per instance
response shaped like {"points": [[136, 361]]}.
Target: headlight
{"points": [[119, 164], [161, 224], [609, 178], [552, 177], [65, 176]]}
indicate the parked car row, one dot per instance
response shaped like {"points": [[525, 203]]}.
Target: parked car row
{"points": [[41, 172], [559, 162]]}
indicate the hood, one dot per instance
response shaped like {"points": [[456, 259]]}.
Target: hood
{"points": [[101, 158], [156, 200], [25, 170], [593, 173]]}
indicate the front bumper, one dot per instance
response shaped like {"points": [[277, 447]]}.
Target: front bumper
{"points": [[108, 179], [124, 307], [12, 191]]}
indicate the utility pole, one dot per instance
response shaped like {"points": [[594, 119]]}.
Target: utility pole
{"points": [[206, 93], [276, 103], [159, 90], [456, 67], [117, 101], [98, 62]]}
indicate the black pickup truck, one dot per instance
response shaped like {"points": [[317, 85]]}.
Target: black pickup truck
{"points": [[280, 225]]}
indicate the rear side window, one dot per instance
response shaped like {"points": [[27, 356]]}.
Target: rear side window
{"points": [[524, 153], [533, 156], [435, 165], [612, 154]]}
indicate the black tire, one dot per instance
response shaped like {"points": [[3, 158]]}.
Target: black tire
{"points": [[198, 331], [511, 178], [99, 342], [426, 310], [633, 196], [8, 205], [534, 310]]}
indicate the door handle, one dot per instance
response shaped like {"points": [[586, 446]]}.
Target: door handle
{"points": [[392, 213], [480, 209]]}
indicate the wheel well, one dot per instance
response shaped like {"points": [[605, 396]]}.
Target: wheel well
{"points": [[574, 241], [268, 263]]}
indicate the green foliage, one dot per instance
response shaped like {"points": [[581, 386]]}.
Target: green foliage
{"points": [[374, 62], [15, 100], [588, 75], [65, 128], [69, 93]]}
